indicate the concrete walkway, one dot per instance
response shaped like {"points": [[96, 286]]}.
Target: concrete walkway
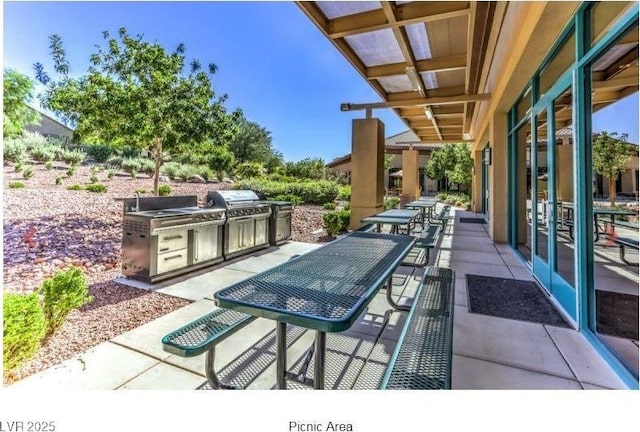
{"points": [[489, 352]]}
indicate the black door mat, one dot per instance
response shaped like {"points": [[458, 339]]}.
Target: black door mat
{"points": [[515, 299], [472, 220], [617, 314]]}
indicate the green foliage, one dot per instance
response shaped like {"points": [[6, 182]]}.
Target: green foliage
{"points": [[611, 153], [312, 192], [45, 153], [391, 202], [164, 190], [171, 169], [115, 162], [73, 157], [453, 162], [58, 180], [344, 193], [336, 222], [221, 161], [17, 93], [71, 171], [19, 167], [205, 172], [460, 199], [329, 206], [388, 161], [293, 199], [94, 179], [24, 327], [100, 152], [13, 150], [111, 173], [65, 291], [28, 172], [249, 170], [131, 164], [129, 152], [252, 143], [75, 187], [137, 93], [49, 165], [147, 166], [461, 172], [16, 185], [185, 172], [306, 169], [96, 187]]}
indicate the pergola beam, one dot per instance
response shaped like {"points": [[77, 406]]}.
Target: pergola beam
{"points": [[417, 102], [410, 13], [437, 64]]}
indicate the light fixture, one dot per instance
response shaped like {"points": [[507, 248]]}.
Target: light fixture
{"points": [[428, 112], [415, 79], [467, 136]]}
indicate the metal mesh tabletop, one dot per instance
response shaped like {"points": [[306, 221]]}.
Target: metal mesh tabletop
{"points": [[398, 213], [420, 204], [387, 220], [326, 289]]}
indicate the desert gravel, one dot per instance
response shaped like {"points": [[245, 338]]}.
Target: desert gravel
{"points": [[47, 228]]}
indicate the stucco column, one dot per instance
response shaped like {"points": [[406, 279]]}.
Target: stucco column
{"points": [[476, 182], [367, 169], [498, 218], [410, 175]]}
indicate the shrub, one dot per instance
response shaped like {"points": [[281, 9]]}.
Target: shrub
{"points": [[171, 169], [65, 291], [32, 140], [49, 165], [58, 180], [336, 221], [28, 172], [96, 187], [185, 172], [293, 199], [147, 166], [13, 151], [344, 193], [248, 170], [164, 190], [94, 179], [24, 327], [309, 191], [115, 162], [206, 173], [391, 202], [131, 164], [129, 152], [71, 171], [134, 174], [16, 185], [44, 153], [73, 157], [141, 190], [75, 187], [111, 173], [100, 152], [19, 166], [329, 206]]}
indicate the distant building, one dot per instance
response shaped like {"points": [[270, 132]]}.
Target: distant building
{"points": [[50, 127]]}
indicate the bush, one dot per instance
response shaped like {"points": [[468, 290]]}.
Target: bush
{"points": [[293, 199], [185, 172], [71, 171], [28, 172], [19, 167], [336, 221], [73, 157], [344, 193], [100, 152], [24, 327], [249, 170], [44, 153], [49, 165], [96, 187], [115, 162], [94, 179], [131, 164], [75, 187], [111, 173], [58, 180], [171, 169], [206, 173], [391, 202], [65, 291], [309, 191], [13, 151], [147, 166], [16, 185], [129, 152], [164, 190], [329, 206]]}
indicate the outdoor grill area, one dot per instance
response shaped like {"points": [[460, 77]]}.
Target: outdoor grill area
{"points": [[163, 237]]}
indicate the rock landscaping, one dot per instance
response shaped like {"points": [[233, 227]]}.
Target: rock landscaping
{"points": [[48, 227]]}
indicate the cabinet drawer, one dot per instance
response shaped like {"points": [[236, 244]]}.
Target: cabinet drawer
{"points": [[172, 241], [172, 260]]}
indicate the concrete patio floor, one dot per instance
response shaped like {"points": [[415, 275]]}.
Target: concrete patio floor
{"points": [[489, 352]]}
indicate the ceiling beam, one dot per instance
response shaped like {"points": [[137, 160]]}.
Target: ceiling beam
{"points": [[410, 13], [444, 122], [417, 102], [617, 83], [437, 64]]}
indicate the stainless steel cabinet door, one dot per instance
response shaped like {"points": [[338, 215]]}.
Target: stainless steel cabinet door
{"points": [[248, 234], [261, 236], [283, 227], [205, 243]]}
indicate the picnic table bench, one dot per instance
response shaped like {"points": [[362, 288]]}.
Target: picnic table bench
{"points": [[422, 358], [626, 242], [427, 241], [442, 217]]}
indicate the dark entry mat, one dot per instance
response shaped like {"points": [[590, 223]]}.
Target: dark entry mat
{"points": [[617, 314], [513, 299], [472, 220]]}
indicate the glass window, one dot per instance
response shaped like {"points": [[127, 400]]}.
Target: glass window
{"points": [[524, 106], [560, 62], [603, 15]]}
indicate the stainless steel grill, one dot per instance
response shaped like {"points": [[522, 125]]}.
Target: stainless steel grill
{"points": [[247, 220], [280, 222], [166, 236]]}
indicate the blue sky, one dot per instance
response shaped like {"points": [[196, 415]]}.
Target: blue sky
{"points": [[273, 62]]}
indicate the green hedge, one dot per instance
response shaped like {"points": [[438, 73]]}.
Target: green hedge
{"points": [[24, 328], [336, 222], [310, 191]]}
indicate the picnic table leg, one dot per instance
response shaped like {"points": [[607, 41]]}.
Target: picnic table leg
{"points": [[281, 355], [393, 304], [318, 365]]}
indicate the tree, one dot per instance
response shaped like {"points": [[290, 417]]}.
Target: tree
{"points": [[18, 92], [611, 153], [253, 143], [221, 161], [441, 163], [461, 171], [388, 161], [136, 93], [307, 169]]}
